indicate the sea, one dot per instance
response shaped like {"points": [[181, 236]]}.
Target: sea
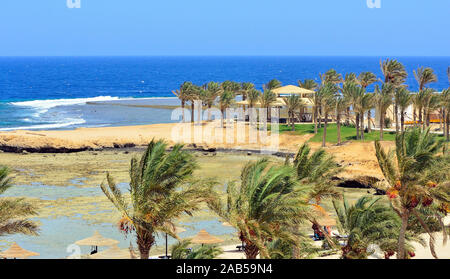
{"points": [[54, 93]]}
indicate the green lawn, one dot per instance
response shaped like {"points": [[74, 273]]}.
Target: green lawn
{"points": [[347, 133]]}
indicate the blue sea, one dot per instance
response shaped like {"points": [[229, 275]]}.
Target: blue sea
{"points": [[38, 93]]}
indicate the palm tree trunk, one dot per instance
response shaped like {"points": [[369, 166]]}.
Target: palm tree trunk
{"points": [[357, 125], [145, 242], [415, 116], [396, 118], [223, 116], [338, 120], [369, 118], [381, 125], [293, 121], [183, 104], [362, 126], [401, 253], [324, 139], [315, 119], [424, 119], [251, 251], [441, 119], [192, 112], [447, 130], [420, 116], [402, 121]]}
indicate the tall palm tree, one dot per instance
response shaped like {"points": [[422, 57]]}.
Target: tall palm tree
{"points": [[404, 100], [417, 175], [212, 90], [341, 107], [184, 95], [331, 76], [354, 94], [316, 101], [432, 104], [226, 101], [445, 100], [317, 169], [14, 212], [246, 87], [309, 84], [424, 76], [273, 84], [266, 204], [267, 99], [293, 103], [231, 86], [194, 93], [367, 222], [383, 102], [328, 93], [365, 79], [159, 193], [366, 104], [393, 71], [253, 97]]}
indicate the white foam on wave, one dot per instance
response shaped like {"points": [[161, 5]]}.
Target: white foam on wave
{"points": [[48, 104], [69, 122]]}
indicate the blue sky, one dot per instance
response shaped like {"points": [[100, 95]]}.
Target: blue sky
{"points": [[226, 27]]}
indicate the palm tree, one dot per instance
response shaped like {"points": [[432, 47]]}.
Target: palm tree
{"points": [[316, 101], [432, 104], [212, 90], [424, 76], [367, 222], [383, 102], [341, 107], [328, 93], [263, 207], [404, 100], [194, 93], [317, 169], [183, 94], [445, 99], [366, 104], [226, 101], [231, 86], [267, 99], [253, 97], [331, 76], [394, 72], [159, 193], [417, 175], [13, 212], [354, 94], [274, 83], [309, 84], [180, 251], [365, 79], [293, 102], [246, 87]]}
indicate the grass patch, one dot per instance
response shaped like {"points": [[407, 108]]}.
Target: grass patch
{"points": [[347, 133]]}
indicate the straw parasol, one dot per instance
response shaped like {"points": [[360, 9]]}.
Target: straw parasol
{"points": [[97, 240], [113, 253], [15, 251], [203, 237], [292, 89]]}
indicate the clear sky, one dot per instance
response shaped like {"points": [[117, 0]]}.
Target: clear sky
{"points": [[226, 27]]}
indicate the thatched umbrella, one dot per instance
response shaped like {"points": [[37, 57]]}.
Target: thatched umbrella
{"points": [[15, 251], [113, 253], [95, 241], [203, 237]]}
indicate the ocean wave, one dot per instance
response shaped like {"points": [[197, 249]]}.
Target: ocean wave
{"points": [[68, 122], [48, 104]]}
